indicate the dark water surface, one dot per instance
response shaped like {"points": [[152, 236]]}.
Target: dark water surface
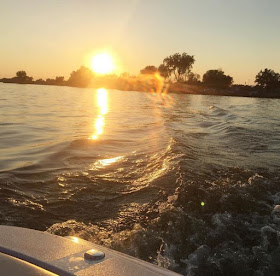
{"points": [[188, 182]]}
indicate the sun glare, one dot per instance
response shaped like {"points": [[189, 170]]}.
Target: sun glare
{"points": [[102, 64]]}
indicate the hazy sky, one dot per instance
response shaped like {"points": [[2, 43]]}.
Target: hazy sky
{"points": [[55, 37]]}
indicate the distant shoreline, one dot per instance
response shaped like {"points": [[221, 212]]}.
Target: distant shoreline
{"points": [[177, 88]]}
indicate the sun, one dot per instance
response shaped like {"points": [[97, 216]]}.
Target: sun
{"points": [[102, 64]]}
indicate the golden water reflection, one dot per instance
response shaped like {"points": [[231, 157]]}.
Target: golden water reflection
{"points": [[102, 104], [105, 162]]}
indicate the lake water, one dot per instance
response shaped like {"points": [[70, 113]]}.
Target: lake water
{"points": [[188, 182]]}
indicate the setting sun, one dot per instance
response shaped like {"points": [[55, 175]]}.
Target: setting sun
{"points": [[102, 64]]}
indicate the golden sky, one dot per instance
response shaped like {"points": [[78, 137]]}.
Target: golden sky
{"points": [[51, 38]]}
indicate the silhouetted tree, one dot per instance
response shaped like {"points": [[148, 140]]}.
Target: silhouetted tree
{"points": [[150, 69], [21, 75], [193, 78], [81, 77], [40, 81], [179, 65], [217, 79], [59, 80], [268, 79], [50, 81], [163, 70]]}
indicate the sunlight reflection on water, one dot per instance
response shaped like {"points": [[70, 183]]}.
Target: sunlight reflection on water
{"points": [[105, 162], [102, 104]]}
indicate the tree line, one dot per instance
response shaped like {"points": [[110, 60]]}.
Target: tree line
{"points": [[79, 78], [176, 68]]}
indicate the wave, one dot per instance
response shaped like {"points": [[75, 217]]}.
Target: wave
{"points": [[227, 226], [191, 186]]}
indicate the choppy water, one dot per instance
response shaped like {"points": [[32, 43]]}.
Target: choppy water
{"points": [[188, 182]]}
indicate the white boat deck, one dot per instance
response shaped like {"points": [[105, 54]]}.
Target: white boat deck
{"points": [[31, 252]]}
